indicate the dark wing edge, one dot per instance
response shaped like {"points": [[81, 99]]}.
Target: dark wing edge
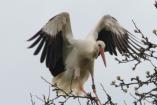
{"points": [[124, 43], [52, 39], [118, 38], [52, 48]]}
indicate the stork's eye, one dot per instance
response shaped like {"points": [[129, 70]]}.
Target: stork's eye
{"points": [[99, 45]]}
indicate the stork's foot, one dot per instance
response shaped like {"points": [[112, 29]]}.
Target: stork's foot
{"points": [[96, 96], [94, 90]]}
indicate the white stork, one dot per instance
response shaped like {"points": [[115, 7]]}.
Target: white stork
{"points": [[71, 61]]}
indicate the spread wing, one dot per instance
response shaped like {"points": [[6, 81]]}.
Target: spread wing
{"points": [[115, 37], [51, 40]]}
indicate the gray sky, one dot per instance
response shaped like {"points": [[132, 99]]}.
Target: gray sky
{"points": [[20, 71]]}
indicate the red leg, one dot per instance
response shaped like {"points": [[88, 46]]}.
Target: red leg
{"points": [[94, 91], [81, 86], [77, 76]]}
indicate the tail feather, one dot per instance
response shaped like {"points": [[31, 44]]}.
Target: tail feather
{"points": [[67, 84]]}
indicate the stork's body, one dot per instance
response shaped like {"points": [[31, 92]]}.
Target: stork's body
{"points": [[80, 63], [71, 61]]}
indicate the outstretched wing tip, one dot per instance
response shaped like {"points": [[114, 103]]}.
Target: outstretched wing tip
{"points": [[50, 39], [116, 37]]}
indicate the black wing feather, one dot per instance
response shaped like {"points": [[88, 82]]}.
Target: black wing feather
{"points": [[44, 52], [107, 37], [35, 42], [52, 50], [48, 56], [39, 46], [34, 36], [124, 43]]}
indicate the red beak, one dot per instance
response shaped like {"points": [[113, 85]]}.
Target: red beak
{"points": [[101, 50]]}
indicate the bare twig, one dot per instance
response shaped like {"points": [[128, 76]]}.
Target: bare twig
{"points": [[149, 96], [32, 102]]}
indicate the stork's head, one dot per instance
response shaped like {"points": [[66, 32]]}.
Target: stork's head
{"points": [[101, 46]]}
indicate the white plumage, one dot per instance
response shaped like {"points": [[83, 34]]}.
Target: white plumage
{"points": [[71, 61]]}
